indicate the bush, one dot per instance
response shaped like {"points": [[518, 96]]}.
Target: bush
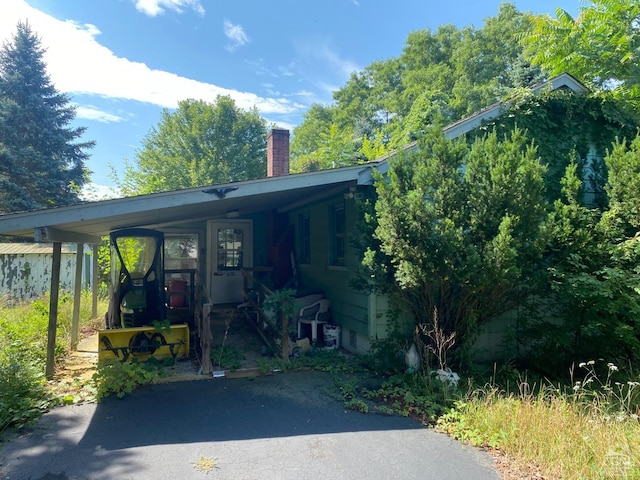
{"points": [[23, 394], [122, 377], [23, 348]]}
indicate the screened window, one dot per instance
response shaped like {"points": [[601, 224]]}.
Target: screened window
{"points": [[338, 238], [304, 238]]}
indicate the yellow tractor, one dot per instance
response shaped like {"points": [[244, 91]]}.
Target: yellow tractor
{"points": [[136, 321]]}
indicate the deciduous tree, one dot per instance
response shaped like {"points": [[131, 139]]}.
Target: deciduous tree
{"points": [[199, 144], [601, 46]]}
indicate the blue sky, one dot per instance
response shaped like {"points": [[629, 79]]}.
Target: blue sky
{"points": [[123, 61]]}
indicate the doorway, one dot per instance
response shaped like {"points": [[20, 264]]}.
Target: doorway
{"points": [[230, 250]]}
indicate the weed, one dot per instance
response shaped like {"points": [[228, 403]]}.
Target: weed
{"points": [[357, 405], [226, 357], [590, 430], [414, 394], [122, 377], [23, 393]]}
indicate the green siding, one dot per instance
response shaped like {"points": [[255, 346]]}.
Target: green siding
{"points": [[349, 307]]}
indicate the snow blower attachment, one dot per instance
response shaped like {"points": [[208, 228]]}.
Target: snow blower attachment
{"points": [[137, 317]]}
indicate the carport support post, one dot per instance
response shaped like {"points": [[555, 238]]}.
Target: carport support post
{"points": [[53, 309], [94, 282], [77, 296]]}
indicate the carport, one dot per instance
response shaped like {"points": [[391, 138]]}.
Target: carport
{"points": [[87, 223]]}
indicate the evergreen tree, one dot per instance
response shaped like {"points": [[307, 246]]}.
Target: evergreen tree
{"points": [[41, 162], [457, 232]]}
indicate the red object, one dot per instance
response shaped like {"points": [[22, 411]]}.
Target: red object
{"points": [[176, 296]]}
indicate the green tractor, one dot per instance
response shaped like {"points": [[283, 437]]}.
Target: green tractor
{"points": [[136, 322]]}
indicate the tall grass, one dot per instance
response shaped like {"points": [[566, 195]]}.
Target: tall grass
{"points": [[586, 431], [23, 343]]}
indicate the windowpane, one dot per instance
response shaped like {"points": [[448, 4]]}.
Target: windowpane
{"points": [[304, 238], [338, 236], [229, 249]]}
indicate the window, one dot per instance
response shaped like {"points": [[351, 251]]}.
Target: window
{"points": [[181, 251], [229, 249], [338, 235], [304, 238]]}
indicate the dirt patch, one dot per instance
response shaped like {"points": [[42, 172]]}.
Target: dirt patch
{"points": [[510, 469], [72, 377]]}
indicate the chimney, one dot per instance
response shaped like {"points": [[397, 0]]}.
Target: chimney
{"points": [[278, 152]]}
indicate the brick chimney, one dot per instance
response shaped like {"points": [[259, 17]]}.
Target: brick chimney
{"points": [[278, 152]]}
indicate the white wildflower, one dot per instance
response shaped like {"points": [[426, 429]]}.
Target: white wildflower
{"points": [[612, 367]]}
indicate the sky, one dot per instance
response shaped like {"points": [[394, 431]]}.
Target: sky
{"points": [[123, 61]]}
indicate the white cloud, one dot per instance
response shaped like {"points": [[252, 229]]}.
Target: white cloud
{"points": [[322, 50], [236, 34], [89, 112], [288, 70], [281, 124], [92, 192], [95, 70], [157, 7], [260, 68], [346, 67]]}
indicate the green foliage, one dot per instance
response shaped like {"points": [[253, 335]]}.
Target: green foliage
{"points": [[282, 301], [41, 162], [600, 46], [588, 429], [23, 393], [461, 229], [316, 359], [199, 144], [623, 188], [416, 394], [589, 304], [122, 377], [24, 328], [226, 356], [386, 355], [441, 76], [567, 127], [23, 340]]}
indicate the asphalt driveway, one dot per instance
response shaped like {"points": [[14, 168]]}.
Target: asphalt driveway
{"points": [[283, 426]]}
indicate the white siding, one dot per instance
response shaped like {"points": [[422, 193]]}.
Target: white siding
{"points": [[27, 275]]}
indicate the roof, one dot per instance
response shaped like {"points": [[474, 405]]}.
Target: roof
{"points": [[33, 248], [471, 122], [87, 222]]}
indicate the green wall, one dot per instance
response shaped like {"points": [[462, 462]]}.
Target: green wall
{"points": [[349, 307]]}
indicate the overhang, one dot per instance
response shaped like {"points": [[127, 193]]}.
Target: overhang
{"points": [[87, 222]]}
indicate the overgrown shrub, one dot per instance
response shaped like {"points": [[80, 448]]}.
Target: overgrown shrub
{"points": [[23, 393], [120, 378], [23, 347]]}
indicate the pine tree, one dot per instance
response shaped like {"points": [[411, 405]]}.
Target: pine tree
{"points": [[41, 161]]}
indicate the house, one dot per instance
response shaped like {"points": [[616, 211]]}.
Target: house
{"points": [[259, 225]]}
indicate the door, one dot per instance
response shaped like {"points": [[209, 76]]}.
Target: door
{"points": [[230, 250]]}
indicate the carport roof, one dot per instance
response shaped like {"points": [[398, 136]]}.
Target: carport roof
{"points": [[86, 222]]}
